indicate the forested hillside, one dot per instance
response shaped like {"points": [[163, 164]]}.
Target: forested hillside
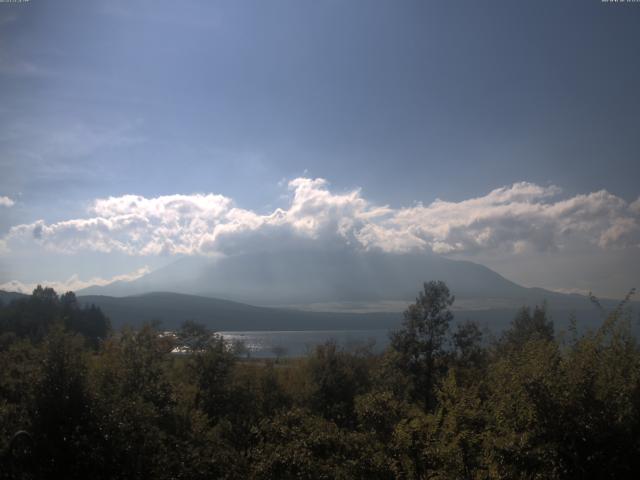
{"points": [[441, 402], [171, 309]]}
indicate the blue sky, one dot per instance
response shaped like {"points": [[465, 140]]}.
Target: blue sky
{"points": [[408, 102]]}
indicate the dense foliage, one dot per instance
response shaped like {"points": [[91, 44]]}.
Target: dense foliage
{"points": [[440, 403]]}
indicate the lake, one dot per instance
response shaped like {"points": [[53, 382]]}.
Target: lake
{"points": [[265, 344]]}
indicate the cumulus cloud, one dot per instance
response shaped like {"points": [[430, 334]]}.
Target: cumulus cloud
{"points": [[517, 218], [73, 283], [6, 202], [523, 217]]}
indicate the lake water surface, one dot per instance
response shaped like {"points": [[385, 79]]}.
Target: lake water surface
{"points": [[268, 344]]}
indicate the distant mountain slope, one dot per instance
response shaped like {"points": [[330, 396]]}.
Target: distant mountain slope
{"points": [[7, 297], [339, 281], [307, 277], [174, 308], [171, 309]]}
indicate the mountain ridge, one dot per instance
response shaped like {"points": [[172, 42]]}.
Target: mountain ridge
{"points": [[319, 290], [170, 309], [336, 281], [298, 277]]}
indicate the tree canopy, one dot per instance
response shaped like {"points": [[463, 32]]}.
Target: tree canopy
{"points": [[442, 402]]}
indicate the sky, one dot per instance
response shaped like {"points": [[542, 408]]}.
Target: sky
{"points": [[136, 132]]}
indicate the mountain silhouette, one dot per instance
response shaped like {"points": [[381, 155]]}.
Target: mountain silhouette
{"points": [[342, 277]]}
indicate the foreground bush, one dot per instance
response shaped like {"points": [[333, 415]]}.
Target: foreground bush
{"points": [[437, 404]]}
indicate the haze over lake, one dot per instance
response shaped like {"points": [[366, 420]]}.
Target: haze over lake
{"points": [[270, 344]]}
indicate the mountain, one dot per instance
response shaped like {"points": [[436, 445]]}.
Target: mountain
{"points": [[309, 277], [328, 290], [339, 280], [171, 309], [8, 297], [174, 308]]}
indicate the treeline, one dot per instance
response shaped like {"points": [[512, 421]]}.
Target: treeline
{"points": [[441, 402], [33, 317]]}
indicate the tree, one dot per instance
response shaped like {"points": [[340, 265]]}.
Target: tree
{"points": [[336, 378], [240, 348], [460, 428], [213, 367], [69, 299], [421, 340], [279, 351], [134, 406], [46, 294], [88, 321], [62, 417], [193, 335], [470, 356], [298, 444], [34, 316], [526, 326]]}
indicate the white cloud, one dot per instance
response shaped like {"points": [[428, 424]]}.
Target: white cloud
{"points": [[6, 202], [73, 283], [579, 291], [519, 218]]}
